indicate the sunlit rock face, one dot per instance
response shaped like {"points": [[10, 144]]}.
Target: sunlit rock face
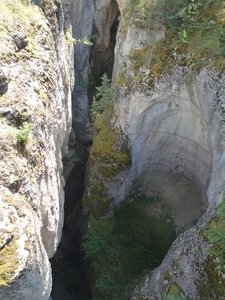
{"points": [[171, 147], [22, 251], [175, 125], [187, 174], [120, 4], [169, 130], [37, 62]]}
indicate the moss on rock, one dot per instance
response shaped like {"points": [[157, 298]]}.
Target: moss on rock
{"points": [[211, 285], [203, 45], [109, 156], [9, 260]]}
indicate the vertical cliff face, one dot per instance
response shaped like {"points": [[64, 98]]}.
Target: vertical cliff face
{"points": [[164, 138], [105, 26], [173, 114], [91, 19], [171, 110], [35, 119], [81, 14]]}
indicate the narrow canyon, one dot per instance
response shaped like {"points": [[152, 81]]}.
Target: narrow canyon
{"points": [[112, 122]]}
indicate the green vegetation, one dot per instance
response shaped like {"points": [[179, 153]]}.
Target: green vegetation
{"points": [[22, 136], [216, 235], [179, 15], [175, 297], [175, 294], [111, 154], [105, 138], [211, 285], [70, 40], [93, 38], [123, 248], [194, 37], [8, 262], [105, 97], [138, 56]]}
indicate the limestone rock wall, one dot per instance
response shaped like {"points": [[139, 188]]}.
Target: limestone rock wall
{"points": [[36, 58], [82, 15], [175, 124], [91, 19], [106, 13]]}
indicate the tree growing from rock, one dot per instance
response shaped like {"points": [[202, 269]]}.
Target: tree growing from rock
{"points": [[104, 98]]}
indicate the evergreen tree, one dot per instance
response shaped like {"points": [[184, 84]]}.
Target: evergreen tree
{"points": [[104, 97]]}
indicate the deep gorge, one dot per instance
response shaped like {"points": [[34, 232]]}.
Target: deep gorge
{"points": [[180, 200], [101, 61], [134, 208]]}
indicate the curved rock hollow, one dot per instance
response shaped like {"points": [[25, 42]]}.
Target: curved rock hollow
{"points": [[171, 153], [174, 119]]}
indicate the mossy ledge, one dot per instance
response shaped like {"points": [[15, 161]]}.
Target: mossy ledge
{"points": [[109, 157], [193, 41]]}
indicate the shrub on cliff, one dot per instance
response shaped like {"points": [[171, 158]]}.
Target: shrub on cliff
{"points": [[22, 136]]}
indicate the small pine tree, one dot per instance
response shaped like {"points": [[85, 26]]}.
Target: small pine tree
{"points": [[105, 97]]}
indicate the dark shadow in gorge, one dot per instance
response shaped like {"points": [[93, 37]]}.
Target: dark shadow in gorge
{"points": [[102, 59], [68, 269], [69, 277]]}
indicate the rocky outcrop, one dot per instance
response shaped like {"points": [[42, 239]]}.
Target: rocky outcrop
{"points": [[22, 250], [108, 163], [175, 122], [170, 158], [190, 171], [35, 119]]}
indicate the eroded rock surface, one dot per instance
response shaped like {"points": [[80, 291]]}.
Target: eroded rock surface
{"points": [[172, 148], [175, 124], [38, 95], [106, 13], [82, 15]]}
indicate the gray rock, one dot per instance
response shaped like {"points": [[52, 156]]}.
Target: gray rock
{"points": [[4, 81], [31, 180], [72, 139], [176, 130], [82, 15], [19, 38]]}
